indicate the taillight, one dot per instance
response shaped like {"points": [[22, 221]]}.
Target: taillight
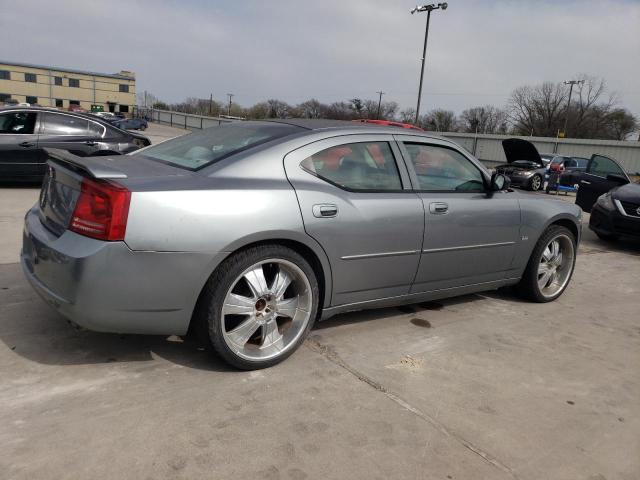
{"points": [[101, 210]]}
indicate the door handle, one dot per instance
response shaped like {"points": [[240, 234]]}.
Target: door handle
{"points": [[585, 182], [27, 144], [325, 210], [438, 208]]}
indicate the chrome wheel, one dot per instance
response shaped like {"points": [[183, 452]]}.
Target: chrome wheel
{"points": [[536, 183], [266, 310], [556, 265]]}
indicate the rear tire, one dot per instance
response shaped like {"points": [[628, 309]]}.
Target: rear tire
{"points": [[258, 306], [550, 266]]}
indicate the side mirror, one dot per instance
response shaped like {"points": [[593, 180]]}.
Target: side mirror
{"points": [[499, 182], [620, 179]]}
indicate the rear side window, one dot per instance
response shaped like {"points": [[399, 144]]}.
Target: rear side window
{"points": [[55, 124], [443, 169], [18, 123], [95, 129], [198, 150], [603, 166], [364, 166]]}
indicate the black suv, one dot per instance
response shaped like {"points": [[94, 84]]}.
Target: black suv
{"points": [[26, 131]]}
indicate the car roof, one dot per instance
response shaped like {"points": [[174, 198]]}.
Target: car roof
{"points": [[313, 124], [88, 116]]}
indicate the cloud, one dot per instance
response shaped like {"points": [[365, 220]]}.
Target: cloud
{"points": [[334, 49]]}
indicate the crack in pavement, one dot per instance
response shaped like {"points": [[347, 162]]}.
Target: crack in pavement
{"points": [[314, 343]]}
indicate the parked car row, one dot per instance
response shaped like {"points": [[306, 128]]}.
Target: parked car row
{"points": [[26, 131], [603, 187]]}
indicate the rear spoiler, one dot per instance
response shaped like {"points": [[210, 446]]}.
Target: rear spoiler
{"points": [[96, 167]]}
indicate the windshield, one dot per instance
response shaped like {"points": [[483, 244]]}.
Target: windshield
{"points": [[200, 149]]}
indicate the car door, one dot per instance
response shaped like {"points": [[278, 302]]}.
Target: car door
{"points": [[68, 132], [602, 174], [19, 153], [470, 236], [356, 202]]}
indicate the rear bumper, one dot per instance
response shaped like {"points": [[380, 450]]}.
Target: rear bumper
{"points": [[613, 223], [107, 287]]}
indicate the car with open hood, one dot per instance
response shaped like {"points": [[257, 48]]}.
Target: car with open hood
{"points": [[525, 167], [612, 198]]}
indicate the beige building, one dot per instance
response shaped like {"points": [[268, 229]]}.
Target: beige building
{"points": [[62, 87]]}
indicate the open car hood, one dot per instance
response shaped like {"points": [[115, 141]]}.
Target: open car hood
{"points": [[518, 149]]}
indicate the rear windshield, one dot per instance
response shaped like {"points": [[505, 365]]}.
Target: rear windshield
{"points": [[199, 149]]}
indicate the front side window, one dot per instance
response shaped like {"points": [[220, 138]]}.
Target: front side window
{"points": [[57, 80], [443, 169], [30, 77], [603, 166], [124, 88], [74, 82], [55, 124], [363, 166], [18, 123], [200, 149]]}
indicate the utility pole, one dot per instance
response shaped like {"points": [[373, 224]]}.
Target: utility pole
{"points": [[210, 104], [230, 95], [571, 83], [428, 9], [379, 103]]}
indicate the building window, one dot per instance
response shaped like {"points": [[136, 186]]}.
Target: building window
{"points": [[59, 102], [5, 75], [74, 82], [124, 108], [124, 88], [57, 80], [74, 102], [30, 77], [32, 100], [4, 97]]}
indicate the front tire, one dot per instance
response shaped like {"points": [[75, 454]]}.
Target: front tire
{"points": [[550, 266], [258, 306], [535, 183]]}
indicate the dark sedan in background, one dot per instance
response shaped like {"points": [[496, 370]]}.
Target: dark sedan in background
{"points": [[613, 200], [26, 131], [131, 124]]}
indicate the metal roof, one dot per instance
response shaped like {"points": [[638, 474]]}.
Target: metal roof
{"points": [[69, 70]]}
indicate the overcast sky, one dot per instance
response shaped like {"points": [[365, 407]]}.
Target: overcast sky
{"points": [[333, 49]]}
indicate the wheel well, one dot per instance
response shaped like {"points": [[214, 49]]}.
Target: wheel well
{"points": [[300, 248], [564, 222]]}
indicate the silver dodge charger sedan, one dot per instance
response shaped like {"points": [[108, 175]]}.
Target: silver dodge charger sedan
{"points": [[247, 233]]}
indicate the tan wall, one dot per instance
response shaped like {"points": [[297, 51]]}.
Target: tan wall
{"points": [[92, 90]]}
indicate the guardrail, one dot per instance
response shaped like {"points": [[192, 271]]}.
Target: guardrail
{"points": [[181, 120]]}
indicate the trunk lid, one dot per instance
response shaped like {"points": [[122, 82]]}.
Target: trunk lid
{"points": [[519, 149], [62, 182]]}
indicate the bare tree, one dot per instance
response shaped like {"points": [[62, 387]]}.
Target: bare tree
{"points": [[312, 109], [439, 120], [486, 119]]}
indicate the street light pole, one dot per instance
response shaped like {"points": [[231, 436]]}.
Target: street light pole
{"points": [[428, 9], [230, 95], [571, 83], [379, 103]]}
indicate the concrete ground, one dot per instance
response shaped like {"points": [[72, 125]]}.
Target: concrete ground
{"points": [[477, 387]]}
